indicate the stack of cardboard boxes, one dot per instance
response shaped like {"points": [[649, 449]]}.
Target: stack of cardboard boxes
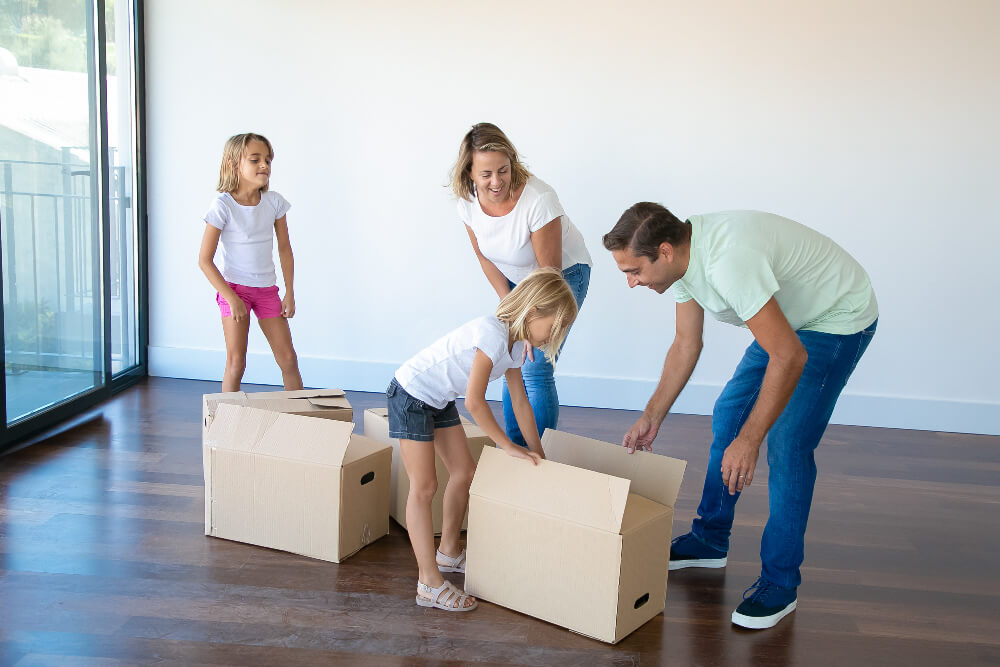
{"points": [[581, 540]]}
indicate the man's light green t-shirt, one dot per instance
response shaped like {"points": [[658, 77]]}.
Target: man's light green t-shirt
{"points": [[740, 259]]}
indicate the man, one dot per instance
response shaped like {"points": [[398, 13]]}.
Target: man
{"points": [[812, 313]]}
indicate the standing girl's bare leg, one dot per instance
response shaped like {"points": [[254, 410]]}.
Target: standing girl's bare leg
{"points": [[279, 337], [236, 351]]}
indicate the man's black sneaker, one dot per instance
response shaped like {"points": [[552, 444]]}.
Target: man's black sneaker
{"points": [[688, 551], [764, 604]]}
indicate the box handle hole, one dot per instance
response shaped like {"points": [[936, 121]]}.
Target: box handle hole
{"points": [[643, 599], [369, 476]]}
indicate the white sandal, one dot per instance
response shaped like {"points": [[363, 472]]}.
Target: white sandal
{"points": [[446, 596], [449, 564]]}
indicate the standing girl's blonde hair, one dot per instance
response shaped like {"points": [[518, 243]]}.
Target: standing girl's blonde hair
{"points": [[232, 153]]}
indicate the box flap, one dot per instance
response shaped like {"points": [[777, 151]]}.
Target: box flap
{"points": [[291, 437], [582, 496], [231, 427], [308, 393], [329, 401], [653, 476], [380, 412], [211, 401]]}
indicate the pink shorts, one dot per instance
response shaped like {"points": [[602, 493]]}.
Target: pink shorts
{"points": [[261, 301]]}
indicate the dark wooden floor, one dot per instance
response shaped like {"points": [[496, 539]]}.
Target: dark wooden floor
{"points": [[103, 561]]}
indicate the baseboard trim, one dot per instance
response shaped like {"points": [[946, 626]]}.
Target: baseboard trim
{"points": [[588, 391]]}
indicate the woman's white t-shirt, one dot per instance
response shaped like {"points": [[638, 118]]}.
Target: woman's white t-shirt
{"points": [[506, 240], [440, 373], [247, 237]]}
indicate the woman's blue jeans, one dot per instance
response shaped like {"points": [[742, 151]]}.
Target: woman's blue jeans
{"points": [[539, 375], [790, 446]]}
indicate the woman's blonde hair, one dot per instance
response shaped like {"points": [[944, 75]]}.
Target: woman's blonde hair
{"points": [[544, 292], [485, 137], [232, 153]]}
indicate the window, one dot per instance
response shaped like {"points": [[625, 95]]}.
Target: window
{"points": [[70, 196]]}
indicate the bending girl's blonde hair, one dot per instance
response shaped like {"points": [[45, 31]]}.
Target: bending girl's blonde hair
{"points": [[232, 153], [544, 292], [485, 137]]}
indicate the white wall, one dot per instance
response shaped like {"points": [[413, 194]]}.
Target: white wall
{"points": [[875, 123]]}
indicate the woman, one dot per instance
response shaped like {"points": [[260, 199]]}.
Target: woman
{"points": [[516, 225]]}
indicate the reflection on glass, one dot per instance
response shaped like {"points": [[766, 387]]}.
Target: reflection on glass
{"points": [[122, 174], [49, 233]]}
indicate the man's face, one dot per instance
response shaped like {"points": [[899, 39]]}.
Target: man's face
{"points": [[640, 271]]}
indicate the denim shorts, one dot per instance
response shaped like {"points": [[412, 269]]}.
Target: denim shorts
{"points": [[412, 419]]}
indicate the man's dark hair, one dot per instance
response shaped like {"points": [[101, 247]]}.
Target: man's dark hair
{"points": [[643, 227]]}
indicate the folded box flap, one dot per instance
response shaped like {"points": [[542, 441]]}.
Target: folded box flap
{"points": [[379, 412], [291, 437], [653, 476], [235, 425], [312, 393], [329, 401], [581, 496], [212, 401]]}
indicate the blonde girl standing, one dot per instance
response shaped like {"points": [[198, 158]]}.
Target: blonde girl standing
{"points": [[246, 216], [423, 416]]}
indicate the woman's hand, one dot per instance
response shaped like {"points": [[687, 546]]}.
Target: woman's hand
{"points": [[288, 305]]}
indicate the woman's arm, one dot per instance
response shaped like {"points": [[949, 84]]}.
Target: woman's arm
{"points": [[206, 262], [475, 402], [497, 279], [287, 266], [547, 243]]}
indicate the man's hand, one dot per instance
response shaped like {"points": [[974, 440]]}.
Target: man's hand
{"points": [[739, 463], [641, 435]]}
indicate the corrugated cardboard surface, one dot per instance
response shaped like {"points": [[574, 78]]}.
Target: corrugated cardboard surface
{"points": [[325, 403], [377, 426], [564, 544], [294, 483]]}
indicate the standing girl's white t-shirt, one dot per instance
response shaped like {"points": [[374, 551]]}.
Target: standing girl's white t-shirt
{"points": [[440, 373], [247, 237], [506, 240]]}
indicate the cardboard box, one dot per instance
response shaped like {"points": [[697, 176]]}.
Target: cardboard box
{"points": [[582, 540], [326, 403], [294, 483], [377, 426]]}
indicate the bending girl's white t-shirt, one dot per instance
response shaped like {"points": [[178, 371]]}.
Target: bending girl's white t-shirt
{"points": [[506, 240], [440, 373], [247, 237]]}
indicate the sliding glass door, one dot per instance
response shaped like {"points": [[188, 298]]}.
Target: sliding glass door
{"points": [[69, 195]]}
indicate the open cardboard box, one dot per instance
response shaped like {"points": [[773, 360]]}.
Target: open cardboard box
{"points": [[582, 540], [377, 426], [294, 483], [325, 403]]}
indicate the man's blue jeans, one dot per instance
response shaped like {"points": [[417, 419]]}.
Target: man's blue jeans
{"points": [[539, 375], [790, 446]]}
